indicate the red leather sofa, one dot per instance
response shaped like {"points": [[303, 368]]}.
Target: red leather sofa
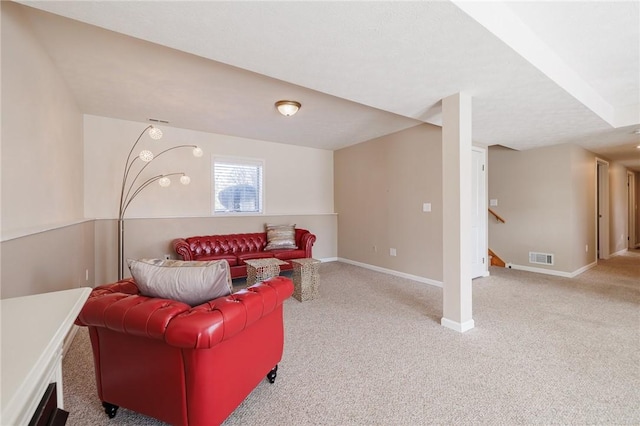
{"points": [[184, 365], [236, 248]]}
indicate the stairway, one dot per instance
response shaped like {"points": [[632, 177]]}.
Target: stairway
{"points": [[495, 259]]}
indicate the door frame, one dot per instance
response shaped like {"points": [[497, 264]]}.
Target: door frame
{"points": [[631, 208], [484, 217], [602, 209]]}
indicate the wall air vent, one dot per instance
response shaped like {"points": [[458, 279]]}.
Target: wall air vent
{"points": [[540, 258], [155, 120]]}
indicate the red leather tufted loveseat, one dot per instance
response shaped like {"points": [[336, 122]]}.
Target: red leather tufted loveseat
{"points": [[184, 365], [236, 248]]}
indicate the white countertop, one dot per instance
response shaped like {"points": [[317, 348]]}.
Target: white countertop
{"points": [[33, 332]]}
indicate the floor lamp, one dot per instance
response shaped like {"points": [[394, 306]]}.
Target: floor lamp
{"points": [[132, 187]]}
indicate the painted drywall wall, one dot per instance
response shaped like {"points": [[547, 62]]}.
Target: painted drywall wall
{"points": [[297, 180], [618, 210], [42, 150], [548, 196], [53, 260], [46, 245], [583, 207], [298, 189], [151, 238], [380, 188], [534, 193]]}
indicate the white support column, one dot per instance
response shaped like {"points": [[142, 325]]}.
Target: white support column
{"points": [[456, 188]]}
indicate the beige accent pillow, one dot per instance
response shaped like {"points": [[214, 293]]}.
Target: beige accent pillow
{"points": [[281, 237], [191, 282]]}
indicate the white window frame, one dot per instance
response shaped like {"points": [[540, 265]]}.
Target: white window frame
{"points": [[239, 161]]}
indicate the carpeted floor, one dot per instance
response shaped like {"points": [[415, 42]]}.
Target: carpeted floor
{"points": [[371, 351]]}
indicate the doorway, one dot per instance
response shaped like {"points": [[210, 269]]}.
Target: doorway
{"points": [[602, 209]]}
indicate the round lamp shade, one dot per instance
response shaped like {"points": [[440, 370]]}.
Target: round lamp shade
{"points": [[146, 155], [155, 133]]}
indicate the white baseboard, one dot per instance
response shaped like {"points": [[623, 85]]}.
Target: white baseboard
{"points": [[392, 272], [619, 253], [551, 271], [583, 269], [328, 259], [459, 327]]}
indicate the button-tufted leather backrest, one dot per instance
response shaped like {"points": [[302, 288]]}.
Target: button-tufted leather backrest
{"points": [[178, 324], [227, 244]]}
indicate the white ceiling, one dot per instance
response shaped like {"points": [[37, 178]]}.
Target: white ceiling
{"points": [[540, 73]]}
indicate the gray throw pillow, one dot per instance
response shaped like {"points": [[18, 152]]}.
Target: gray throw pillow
{"points": [[191, 282]]}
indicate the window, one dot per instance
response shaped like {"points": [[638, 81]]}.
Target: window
{"points": [[237, 185]]}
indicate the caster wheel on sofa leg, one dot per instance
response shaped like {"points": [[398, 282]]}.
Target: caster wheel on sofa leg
{"points": [[271, 376], [110, 409]]}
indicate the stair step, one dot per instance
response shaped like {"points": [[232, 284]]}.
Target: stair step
{"points": [[495, 260]]}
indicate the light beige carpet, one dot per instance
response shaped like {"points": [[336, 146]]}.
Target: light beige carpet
{"points": [[371, 351]]}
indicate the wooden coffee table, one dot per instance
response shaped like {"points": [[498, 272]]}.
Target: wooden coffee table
{"points": [[262, 269]]}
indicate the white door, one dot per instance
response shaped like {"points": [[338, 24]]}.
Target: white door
{"points": [[479, 267]]}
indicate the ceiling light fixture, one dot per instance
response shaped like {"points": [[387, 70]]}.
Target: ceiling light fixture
{"points": [[288, 108]]}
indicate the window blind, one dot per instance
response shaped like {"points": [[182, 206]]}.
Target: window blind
{"points": [[237, 186]]}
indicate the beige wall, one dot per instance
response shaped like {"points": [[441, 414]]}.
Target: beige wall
{"points": [[298, 188], [151, 238], [297, 180], [41, 134], [618, 210], [45, 246], [59, 168], [47, 261], [583, 207], [380, 186], [546, 196]]}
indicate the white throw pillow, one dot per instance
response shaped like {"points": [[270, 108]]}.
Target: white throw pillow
{"points": [[191, 282]]}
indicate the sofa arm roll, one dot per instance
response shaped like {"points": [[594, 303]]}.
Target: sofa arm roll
{"points": [[126, 286], [206, 325], [307, 241], [181, 247], [131, 314]]}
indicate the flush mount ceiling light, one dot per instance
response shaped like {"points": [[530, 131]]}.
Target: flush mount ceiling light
{"points": [[288, 108]]}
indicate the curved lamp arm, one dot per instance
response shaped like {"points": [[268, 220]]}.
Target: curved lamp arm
{"points": [[143, 186], [125, 200], [131, 193], [127, 166]]}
